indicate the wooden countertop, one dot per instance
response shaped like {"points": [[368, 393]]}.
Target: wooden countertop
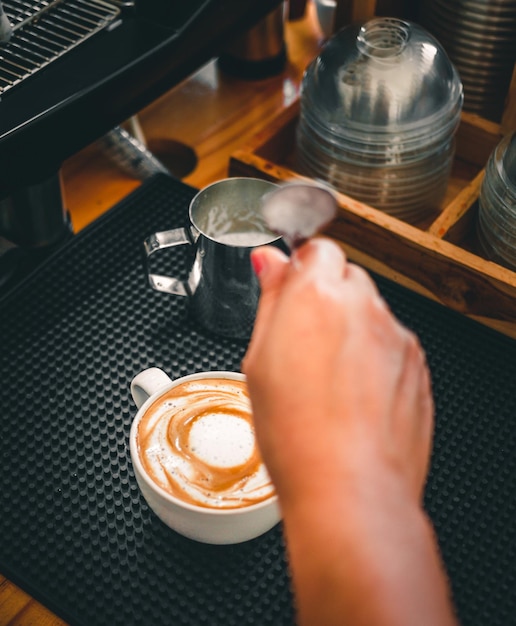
{"points": [[209, 115]]}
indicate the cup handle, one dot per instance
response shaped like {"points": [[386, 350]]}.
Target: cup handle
{"points": [[147, 383], [160, 241]]}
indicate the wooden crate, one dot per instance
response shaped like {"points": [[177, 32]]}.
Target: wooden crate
{"points": [[440, 260]]}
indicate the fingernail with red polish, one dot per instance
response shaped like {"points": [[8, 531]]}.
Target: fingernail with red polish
{"points": [[258, 262]]}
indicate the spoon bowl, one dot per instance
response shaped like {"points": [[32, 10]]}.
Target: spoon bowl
{"points": [[298, 211]]}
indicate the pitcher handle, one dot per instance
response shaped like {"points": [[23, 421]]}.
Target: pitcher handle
{"points": [[160, 241]]}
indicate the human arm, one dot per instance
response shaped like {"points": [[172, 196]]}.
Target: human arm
{"points": [[343, 412]]}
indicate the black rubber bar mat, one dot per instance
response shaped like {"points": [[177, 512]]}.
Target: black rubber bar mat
{"points": [[74, 531]]}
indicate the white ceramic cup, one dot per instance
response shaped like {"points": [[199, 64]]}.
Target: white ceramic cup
{"points": [[201, 523]]}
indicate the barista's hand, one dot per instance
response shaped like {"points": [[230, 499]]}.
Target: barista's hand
{"points": [[344, 417], [340, 389]]}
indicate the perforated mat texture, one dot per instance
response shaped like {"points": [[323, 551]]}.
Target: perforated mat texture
{"points": [[74, 530]]}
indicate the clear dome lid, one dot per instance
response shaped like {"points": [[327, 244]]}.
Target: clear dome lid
{"points": [[384, 77]]}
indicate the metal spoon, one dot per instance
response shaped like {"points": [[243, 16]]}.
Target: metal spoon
{"points": [[297, 211]]}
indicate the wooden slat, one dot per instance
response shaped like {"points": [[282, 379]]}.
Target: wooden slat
{"points": [[457, 210], [17, 608]]}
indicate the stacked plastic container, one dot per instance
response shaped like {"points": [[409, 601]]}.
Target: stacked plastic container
{"points": [[496, 225], [480, 38], [379, 109]]}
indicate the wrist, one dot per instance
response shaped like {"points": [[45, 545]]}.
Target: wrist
{"points": [[356, 502], [360, 480], [368, 551]]}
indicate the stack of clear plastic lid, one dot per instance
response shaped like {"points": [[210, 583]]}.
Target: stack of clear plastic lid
{"points": [[379, 109], [480, 38], [496, 225]]}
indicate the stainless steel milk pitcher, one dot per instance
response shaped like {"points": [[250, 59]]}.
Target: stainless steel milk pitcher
{"points": [[225, 225]]}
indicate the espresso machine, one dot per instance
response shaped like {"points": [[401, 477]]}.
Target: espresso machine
{"points": [[71, 71]]}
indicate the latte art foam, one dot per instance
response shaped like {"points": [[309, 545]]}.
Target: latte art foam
{"points": [[197, 443]]}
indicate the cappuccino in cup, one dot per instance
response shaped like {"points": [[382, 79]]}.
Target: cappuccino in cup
{"points": [[195, 456], [197, 442]]}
